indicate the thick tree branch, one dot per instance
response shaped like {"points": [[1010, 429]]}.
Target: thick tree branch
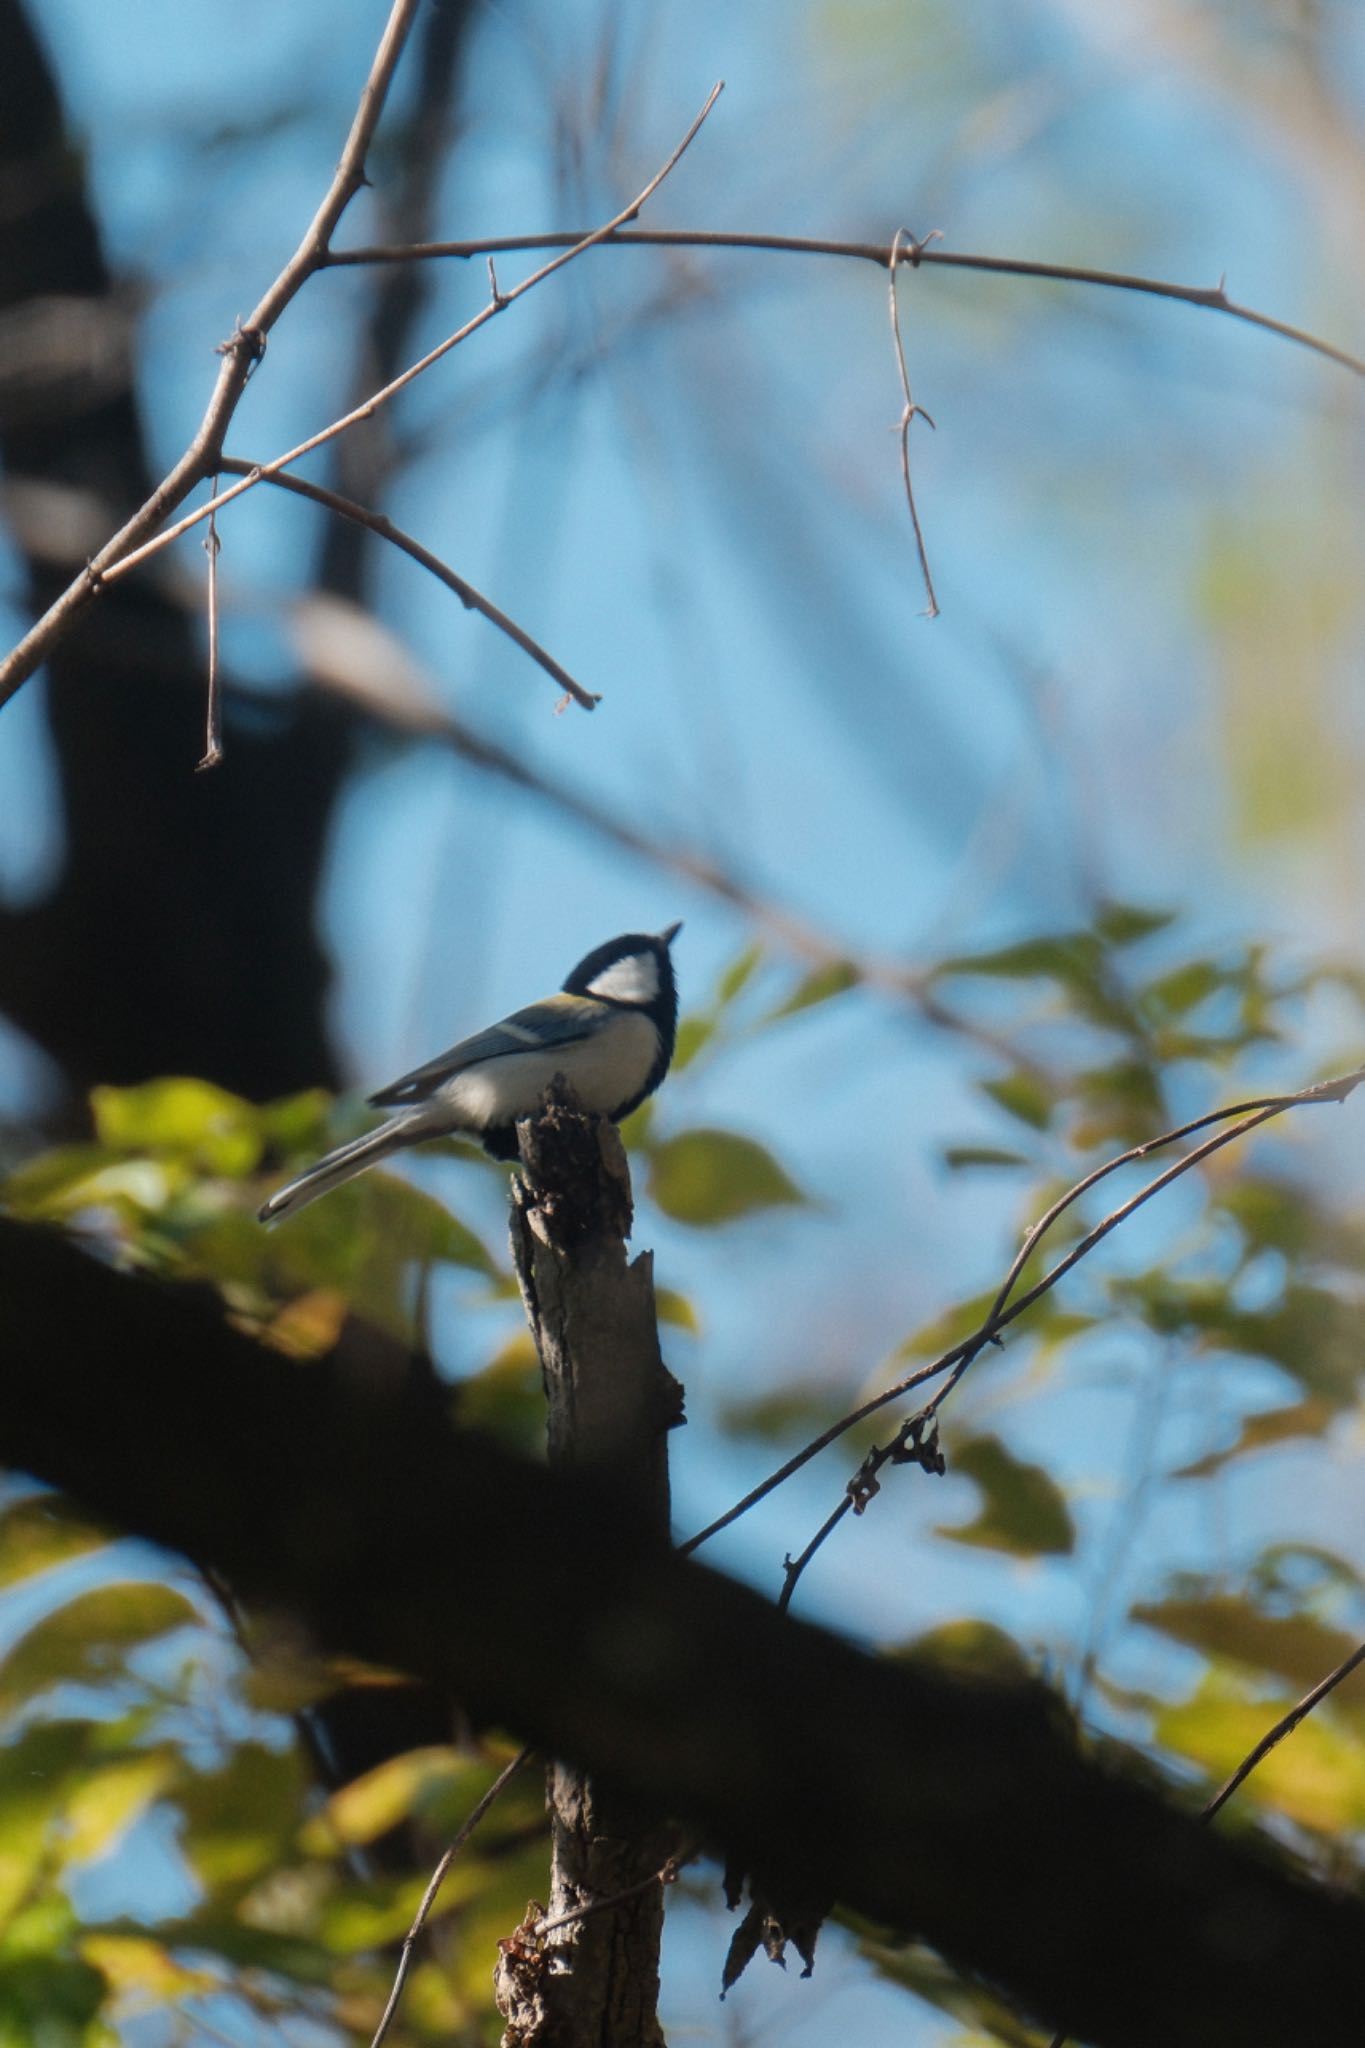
{"points": [[964, 1811]]}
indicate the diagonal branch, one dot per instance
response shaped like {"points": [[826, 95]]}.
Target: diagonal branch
{"points": [[498, 302], [378, 523], [240, 355], [906, 1447]]}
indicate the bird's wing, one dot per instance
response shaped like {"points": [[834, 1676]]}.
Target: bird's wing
{"points": [[559, 1020]]}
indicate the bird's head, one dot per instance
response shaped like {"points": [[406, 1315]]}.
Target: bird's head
{"points": [[635, 972]]}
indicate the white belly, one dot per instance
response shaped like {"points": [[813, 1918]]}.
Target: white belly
{"points": [[604, 1072]]}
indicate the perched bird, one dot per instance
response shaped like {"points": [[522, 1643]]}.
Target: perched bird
{"points": [[609, 1032]]}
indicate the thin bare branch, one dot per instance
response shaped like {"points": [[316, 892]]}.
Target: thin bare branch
{"points": [[240, 355], [905, 1447], [213, 740], [498, 303], [903, 243], [438, 1878], [1213, 298], [378, 523], [667, 1874], [1284, 1726], [1273, 1736]]}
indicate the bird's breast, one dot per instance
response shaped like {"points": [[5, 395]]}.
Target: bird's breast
{"points": [[605, 1071]]}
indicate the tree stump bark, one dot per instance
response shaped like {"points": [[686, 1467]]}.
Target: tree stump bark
{"points": [[585, 1974]]}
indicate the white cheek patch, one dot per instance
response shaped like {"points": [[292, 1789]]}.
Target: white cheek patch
{"points": [[632, 980]]}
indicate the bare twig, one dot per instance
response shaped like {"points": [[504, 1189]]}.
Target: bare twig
{"points": [[1213, 298], [1284, 1726], [213, 741], [1273, 1736], [438, 1878], [904, 244], [378, 523], [904, 1448], [667, 1873], [496, 304], [240, 355]]}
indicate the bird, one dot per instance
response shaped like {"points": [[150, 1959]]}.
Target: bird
{"points": [[609, 1031]]}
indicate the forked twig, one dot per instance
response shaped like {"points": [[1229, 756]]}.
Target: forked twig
{"points": [[956, 1360], [368, 407], [240, 356], [213, 717], [904, 244]]}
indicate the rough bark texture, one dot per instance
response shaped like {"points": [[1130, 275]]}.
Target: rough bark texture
{"points": [[593, 1982]]}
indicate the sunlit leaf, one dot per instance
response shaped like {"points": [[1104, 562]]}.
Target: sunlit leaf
{"points": [[240, 1819], [180, 1115], [378, 1800], [36, 1773], [41, 1531], [141, 1970], [677, 1310], [90, 1636], [706, 1177], [1294, 1647], [309, 1326], [1315, 1776], [1023, 1510], [109, 1798]]}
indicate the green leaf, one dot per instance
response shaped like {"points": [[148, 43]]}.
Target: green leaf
{"points": [[1184, 988], [706, 1177], [1022, 1095], [109, 1798], [239, 1820], [1295, 1647], [1023, 1510], [832, 978], [36, 1772], [88, 1639], [737, 975], [672, 1307], [1072, 958], [976, 1649], [1315, 1776], [1262, 1432], [42, 1531], [694, 1032], [191, 1118], [957, 1156], [1123, 924]]}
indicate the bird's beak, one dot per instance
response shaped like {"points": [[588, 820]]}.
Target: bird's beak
{"points": [[671, 933]]}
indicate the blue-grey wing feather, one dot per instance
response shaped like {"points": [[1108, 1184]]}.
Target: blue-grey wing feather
{"points": [[560, 1021]]}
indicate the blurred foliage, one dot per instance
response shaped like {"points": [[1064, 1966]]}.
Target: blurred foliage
{"points": [[135, 1717]]}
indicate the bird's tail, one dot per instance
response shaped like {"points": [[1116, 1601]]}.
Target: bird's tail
{"points": [[341, 1165]]}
